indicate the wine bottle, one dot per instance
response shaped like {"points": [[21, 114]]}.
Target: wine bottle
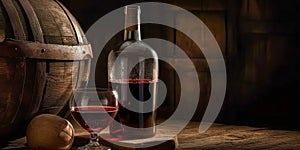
{"points": [[133, 73]]}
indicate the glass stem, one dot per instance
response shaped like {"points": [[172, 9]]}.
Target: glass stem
{"points": [[94, 139]]}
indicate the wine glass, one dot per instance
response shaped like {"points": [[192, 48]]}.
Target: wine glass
{"points": [[94, 109]]}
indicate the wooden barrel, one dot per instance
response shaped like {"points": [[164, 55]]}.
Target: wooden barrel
{"points": [[44, 55]]}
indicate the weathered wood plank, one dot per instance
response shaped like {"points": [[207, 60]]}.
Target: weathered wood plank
{"points": [[59, 86], [7, 72], [203, 5], [56, 26], [33, 85], [237, 137], [82, 138], [215, 21], [78, 31], [33, 21], [3, 23], [16, 19], [218, 136]]}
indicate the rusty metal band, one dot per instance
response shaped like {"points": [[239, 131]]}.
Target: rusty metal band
{"points": [[74, 24], [33, 21], [40, 74], [15, 19], [36, 50], [20, 75]]}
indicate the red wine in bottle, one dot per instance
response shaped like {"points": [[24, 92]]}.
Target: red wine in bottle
{"points": [[143, 123]]}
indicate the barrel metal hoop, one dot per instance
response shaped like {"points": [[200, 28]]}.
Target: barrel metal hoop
{"points": [[36, 50], [15, 19], [33, 20]]}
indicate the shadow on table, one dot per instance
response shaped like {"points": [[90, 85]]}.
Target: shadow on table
{"points": [[18, 144]]}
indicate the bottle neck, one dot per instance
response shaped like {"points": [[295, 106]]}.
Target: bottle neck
{"points": [[132, 35], [132, 23]]}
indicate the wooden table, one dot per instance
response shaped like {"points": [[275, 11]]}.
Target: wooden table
{"points": [[219, 137], [238, 137]]}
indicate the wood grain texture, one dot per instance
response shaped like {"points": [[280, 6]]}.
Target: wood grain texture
{"points": [[12, 98], [203, 5], [78, 31], [7, 76], [215, 21], [33, 21], [237, 137], [2, 25], [82, 138], [15, 18], [33, 85], [56, 26], [218, 136], [59, 87]]}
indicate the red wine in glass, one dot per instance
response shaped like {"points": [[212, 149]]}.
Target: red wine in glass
{"points": [[94, 118], [94, 109], [141, 90]]}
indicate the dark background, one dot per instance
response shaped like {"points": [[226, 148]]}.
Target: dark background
{"points": [[260, 43]]}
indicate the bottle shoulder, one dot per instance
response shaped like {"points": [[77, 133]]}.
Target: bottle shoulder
{"points": [[124, 44], [134, 46]]}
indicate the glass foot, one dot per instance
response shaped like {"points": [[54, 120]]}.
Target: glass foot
{"points": [[92, 146]]}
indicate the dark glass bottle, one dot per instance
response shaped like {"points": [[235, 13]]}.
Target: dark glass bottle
{"points": [[133, 73]]}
